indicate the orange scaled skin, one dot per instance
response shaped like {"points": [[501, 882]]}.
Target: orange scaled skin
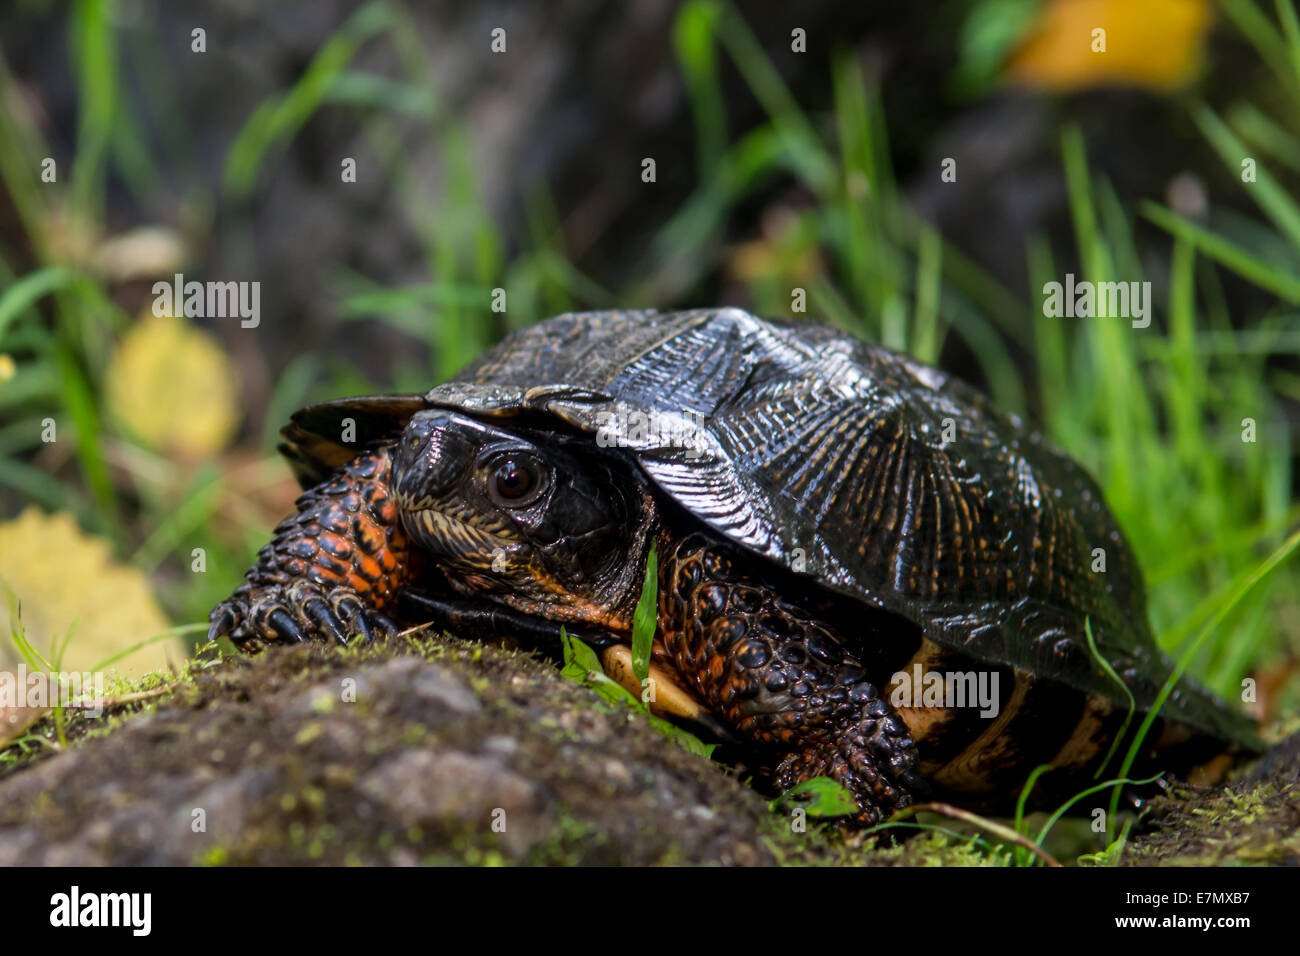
{"points": [[342, 554]]}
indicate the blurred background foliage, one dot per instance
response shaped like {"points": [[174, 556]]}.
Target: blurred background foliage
{"points": [[776, 168]]}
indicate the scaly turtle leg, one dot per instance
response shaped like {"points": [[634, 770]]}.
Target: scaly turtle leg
{"points": [[780, 677], [333, 570]]}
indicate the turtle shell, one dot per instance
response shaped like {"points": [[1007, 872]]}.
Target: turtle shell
{"points": [[855, 466]]}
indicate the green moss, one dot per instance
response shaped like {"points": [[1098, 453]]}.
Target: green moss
{"points": [[942, 849], [1246, 823]]}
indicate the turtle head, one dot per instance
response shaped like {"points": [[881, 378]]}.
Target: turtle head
{"points": [[540, 520]]}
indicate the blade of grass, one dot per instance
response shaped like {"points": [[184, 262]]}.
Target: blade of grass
{"points": [[79, 400], [697, 54], [1132, 703], [927, 333], [178, 631], [765, 82], [1061, 810], [25, 292], [645, 618], [1230, 600], [278, 119], [1267, 193], [1255, 26], [1286, 15], [1226, 253], [95, 61]]}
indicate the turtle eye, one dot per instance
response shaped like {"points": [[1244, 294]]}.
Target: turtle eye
{"points": [[516, 480]]}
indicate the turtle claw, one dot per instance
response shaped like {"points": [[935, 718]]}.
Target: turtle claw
{"points": [[352, 612], [302, 611], [323, 616], [285, 626], [223, 622], [369, 623]]}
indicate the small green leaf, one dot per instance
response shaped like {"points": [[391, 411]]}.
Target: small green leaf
{"points": [[819, 797], [683, 738], [1111, 855], [578, 657], [583, 666], [645, 618]]}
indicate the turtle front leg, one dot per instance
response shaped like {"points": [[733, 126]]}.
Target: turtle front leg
{"points": [[332, 570], [780, 677]]}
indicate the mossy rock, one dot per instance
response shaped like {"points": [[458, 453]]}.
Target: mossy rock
{"points": [[1255, 820], [433, 750]]}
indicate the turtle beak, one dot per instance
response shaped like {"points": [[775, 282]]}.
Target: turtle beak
{"points": [[436, 451], [432, 455]]}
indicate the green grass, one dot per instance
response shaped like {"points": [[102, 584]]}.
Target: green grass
{"points": [[583, 666], [1156, 414]]}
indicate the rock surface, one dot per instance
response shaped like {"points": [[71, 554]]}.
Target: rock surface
{"points": [[438, 751], [431, 752]]}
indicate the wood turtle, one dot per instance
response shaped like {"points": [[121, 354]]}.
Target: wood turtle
{"points": [[851, 548]]}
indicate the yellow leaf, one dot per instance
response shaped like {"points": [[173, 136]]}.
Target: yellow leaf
{"points": [[173, 388], [65, 577], [1148, 43]]}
